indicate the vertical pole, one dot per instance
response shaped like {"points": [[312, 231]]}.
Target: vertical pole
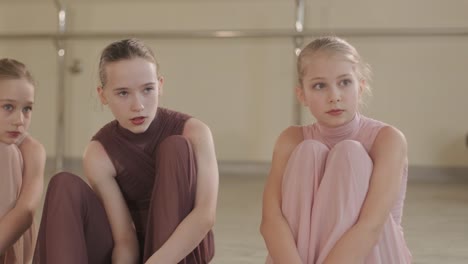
{"points": [[61, 52], [298, 41]]}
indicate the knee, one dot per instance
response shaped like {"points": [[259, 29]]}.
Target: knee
{"points": [[348, 146], [174, 142], [65, 184], [63, 180], [309, 156], [310, 146], [351, 151], [174, 145], [309, 150]]}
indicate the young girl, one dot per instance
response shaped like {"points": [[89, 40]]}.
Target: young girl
{"points": [[153, 177], [22, 161], [336, 188]]}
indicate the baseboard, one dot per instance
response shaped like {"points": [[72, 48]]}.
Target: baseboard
{"points": [[416, 173], [244, 168]]}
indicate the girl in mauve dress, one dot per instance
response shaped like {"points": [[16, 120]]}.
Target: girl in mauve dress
{"points": [[152, 172]]}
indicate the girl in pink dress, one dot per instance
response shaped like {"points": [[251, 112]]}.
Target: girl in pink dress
{"points": [[22, 161], [336, 188]]}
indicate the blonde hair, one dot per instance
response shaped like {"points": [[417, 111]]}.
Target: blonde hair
{"points": [[122, 50], [13, 69], [339, 46]]}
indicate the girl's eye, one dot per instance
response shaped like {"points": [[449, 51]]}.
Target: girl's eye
{"points": [[27, 109], [149, 89], [123, 93], [345, 82], [8, 107], [318, 86]]}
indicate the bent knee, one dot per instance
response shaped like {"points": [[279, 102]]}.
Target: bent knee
{"points": [[63, 179], [175, 143], [349, 150], [348, 146], [65, 182], [311, 146]]}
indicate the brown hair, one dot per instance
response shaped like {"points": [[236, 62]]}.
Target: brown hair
{"points": [[122, 50], [335, 45], [13, 69]]}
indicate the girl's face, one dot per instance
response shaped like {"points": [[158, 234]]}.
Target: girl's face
{"points": [[330, 88], [16, 100], [131, 92]]}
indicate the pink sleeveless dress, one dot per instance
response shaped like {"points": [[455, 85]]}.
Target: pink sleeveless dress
{"points": [[324, 187], [11, 178]]}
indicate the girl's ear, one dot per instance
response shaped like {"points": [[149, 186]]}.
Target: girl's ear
{"points": [[100, 91], [362, 86], [300, 95], [160, 85]]}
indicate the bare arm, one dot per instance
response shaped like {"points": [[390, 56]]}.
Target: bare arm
{"points": [[20, 217], [191, 231], [274, 228], [389, 155], [100, 172]]}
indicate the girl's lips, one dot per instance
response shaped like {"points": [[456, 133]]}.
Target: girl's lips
{"points": [[14, 134], [335, 112], [138, 120]]}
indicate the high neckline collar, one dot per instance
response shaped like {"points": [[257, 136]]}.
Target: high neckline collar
{"points": [[339, 133], [138, 136]]}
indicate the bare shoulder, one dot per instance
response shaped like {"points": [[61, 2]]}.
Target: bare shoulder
{"points": [[30, 147], [390, 134], [389, 138], [96, 162], [199, 134], [195, 128], [288, 140], [94, 151]]}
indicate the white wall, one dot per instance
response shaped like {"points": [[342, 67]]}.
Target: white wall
{"points": [[243, 88]]}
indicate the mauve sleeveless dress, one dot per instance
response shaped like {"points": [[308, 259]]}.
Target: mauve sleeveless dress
{"points": [[156, 172]]}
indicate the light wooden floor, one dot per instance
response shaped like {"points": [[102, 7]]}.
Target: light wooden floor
{"points": [[435, 221]]}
